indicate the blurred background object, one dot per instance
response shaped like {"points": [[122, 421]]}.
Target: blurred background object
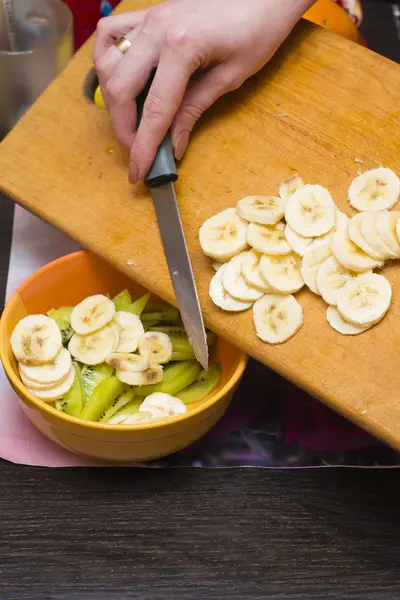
{"points": [[42, 48], [86, 14]]}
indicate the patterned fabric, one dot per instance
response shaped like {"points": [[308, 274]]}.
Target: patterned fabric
{"points": [[353, 7]]}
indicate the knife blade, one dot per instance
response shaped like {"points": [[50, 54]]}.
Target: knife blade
{"points": [[160, 179]]}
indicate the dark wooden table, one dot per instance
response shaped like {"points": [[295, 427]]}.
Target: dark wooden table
{"points": [[123, 533]]}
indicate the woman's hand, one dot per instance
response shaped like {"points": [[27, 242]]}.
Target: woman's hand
{"points": [[227, 40]]}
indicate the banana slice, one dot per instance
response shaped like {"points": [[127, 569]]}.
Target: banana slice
{"points": [[282, 273], [49, 374], [369, 230], [156, 346], [58, 391], [265, 210], [216, 265], [357, 237], [92, 314], [386, 225], [223, 235], [298, 243], [153, 374], [277, 318], [123, 361], [220, 296], [163, 405], [337, 322], [234, 282], [310, 211], [341, 222], [93, 349], [139, 418], [398, 229], [317, 254], [290, 186], [268, 239], [365, 299], [374, 190], [251, 271], [351, 256], [131, 329], [34, 385], [120, 420], [331, 277], [36, 339]]}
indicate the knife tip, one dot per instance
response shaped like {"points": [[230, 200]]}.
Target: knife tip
{"points": [[202, 357]]}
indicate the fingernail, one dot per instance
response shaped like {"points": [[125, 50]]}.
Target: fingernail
{"points": [[133, 173], [181, 144]]}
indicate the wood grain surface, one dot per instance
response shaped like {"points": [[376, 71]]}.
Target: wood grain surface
{"points": [[312, 111], [196, 534]]}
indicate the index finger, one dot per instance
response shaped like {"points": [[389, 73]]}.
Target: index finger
{"points": [[162, 102], [109, 29]]}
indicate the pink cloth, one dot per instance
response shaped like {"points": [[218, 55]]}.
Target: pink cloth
{"points": [[34, 244]]}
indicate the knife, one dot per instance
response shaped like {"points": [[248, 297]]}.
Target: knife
{"points": [[160, 179]]}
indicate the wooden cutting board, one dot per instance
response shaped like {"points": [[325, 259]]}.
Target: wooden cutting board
{"points": [[324, 107]]}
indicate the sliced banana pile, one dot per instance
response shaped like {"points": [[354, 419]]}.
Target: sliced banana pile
{"points": [[270, 247], [100, 334], [45, 367], [119, 361]]}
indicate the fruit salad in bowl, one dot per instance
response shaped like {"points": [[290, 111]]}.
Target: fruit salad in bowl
{"points": [[109, 373]]}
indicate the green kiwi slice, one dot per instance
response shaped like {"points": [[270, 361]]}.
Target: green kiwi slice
{"points": [[103, 396], [92, 376], [118, 404], [62, 316], [157, 305], [169, 329], [205, 383], [172, 385], [181, 347], [72, 402], [129, 409], [169, 315], [175, 369], [139, 305], [123, 301]]}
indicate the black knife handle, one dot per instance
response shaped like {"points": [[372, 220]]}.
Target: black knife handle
{"points": [[163, 169]]}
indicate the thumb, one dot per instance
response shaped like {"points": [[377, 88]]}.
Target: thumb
{"points": [[198, 97]]}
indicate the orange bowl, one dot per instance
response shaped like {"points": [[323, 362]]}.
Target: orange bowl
{"points": [[67, 281], [330, 15]]}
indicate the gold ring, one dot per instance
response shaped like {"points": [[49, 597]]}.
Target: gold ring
{"points": [[123, 44]]}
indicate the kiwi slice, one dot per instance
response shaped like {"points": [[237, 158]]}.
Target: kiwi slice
{"points": [[150, 325], [72, 402], [139, 305], [157, 305], [123, 301], [181, 347], [205, 383], [62, 316], [173, 385], [168, 315], [128, 409], [118, 404], [169, 329], [92, 376], [175, 369], [106, 393]]}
